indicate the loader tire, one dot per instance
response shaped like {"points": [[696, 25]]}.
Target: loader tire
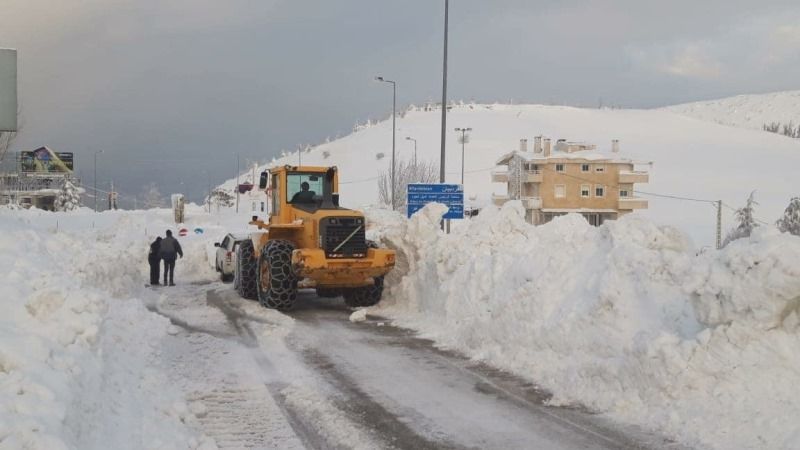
{"points": [[277, 282], [246, 267], [364, 296]]}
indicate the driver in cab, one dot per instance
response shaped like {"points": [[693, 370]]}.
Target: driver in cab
{"points": [[304, 195]]}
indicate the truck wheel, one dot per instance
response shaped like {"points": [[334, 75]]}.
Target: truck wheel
{"points": [[277, 282], [364, 296], [246, 266], [328, 292]]}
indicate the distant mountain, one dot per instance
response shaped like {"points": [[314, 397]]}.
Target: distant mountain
{"points": [[746, 111], [691, 158]]}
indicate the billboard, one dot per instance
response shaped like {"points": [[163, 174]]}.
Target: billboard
{"points": [[8, 90], [44, 160]]}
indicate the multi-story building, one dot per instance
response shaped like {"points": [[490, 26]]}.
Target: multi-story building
{"points": [[572, 177]]}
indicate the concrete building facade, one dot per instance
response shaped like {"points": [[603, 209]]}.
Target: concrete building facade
{"points": [[570, 177]]}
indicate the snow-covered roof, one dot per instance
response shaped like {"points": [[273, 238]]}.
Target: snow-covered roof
{"points": [[578, 210], [589, 155]]}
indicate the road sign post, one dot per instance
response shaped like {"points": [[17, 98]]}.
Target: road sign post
{"points": [[450, 195]]}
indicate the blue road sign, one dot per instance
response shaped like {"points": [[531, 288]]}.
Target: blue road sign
{"points": [[450, 195]]}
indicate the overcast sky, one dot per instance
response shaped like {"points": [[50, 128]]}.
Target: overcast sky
{"points": [[171, 90]]}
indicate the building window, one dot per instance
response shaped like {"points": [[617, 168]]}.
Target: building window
{"points": [[585, 188], [623, 192], [559, 167], [561, 191], [599, 191], [584, 167], [599, 169]]}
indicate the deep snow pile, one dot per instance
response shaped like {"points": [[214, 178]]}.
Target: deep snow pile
{"points": [[76, 340], [626, 318]]}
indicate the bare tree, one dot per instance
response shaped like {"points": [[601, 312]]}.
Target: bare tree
{"points": [[406, 172], [220, 197]]}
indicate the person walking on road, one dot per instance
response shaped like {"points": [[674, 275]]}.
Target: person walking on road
{"points": [[154, 258], [170, 249]]}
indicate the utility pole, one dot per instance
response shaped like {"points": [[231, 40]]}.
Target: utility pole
{"points": [[464, 138], [237, 182], [394, 130], [444, 95], [415, 149], [719, 224], [95, 178], [444, 103]]}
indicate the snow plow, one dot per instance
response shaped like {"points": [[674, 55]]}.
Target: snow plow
{"points": [[309, 241]]}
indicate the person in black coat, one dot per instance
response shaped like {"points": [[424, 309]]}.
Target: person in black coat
{"points": [[170, 249], [154, 258]]}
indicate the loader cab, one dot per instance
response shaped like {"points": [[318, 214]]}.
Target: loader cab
{"points": [[303, 188]]}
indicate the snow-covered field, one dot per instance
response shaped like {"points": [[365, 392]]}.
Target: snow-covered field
{"points": [[746, 111], [627, 319], [691, 158]]}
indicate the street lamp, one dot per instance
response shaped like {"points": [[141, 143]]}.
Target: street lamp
{"points": [[444, 94], [408, 138], [464, 138], [97, 152], [237, 183], [394, 128]]}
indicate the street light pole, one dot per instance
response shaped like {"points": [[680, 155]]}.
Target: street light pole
{"points": [[237, 182], [463, 142], [394, 130], [444, 94], [408, 138], [97, 152]]}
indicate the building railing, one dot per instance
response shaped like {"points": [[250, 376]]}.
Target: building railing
{"points": [[626, 177], [628, 203], [532, 202], [499, 199]]}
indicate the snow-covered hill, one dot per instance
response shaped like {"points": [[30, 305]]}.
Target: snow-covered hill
{"points": [[746, 111], [690, 158]]}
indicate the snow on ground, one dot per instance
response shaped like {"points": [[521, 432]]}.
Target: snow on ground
{"points": [[746, 111], [77, 342], [626, 319], [691, 158]]}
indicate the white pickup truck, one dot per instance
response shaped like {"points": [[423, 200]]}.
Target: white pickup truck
{"points": [[226, 255]]}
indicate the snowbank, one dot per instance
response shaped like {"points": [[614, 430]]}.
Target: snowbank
{"points": [[626, 318], [76, 339]]}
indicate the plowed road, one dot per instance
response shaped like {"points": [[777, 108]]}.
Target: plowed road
{"points": [[312, 379]]}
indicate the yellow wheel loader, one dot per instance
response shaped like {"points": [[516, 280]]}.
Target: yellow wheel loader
{"points": [[309, 241]]}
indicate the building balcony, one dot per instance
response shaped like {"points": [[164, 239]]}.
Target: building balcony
{"points": [[633, 177], [630, 203], [500, 176], [531, 202], [532, 176], [499, 199]]}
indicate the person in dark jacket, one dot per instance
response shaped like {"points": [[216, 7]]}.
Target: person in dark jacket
{"points": [[154, 258], [304, 195], [170, 249]]}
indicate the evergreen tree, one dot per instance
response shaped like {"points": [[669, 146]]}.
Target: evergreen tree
{"points": [[790, 222], [746, 219], [68, 198]]}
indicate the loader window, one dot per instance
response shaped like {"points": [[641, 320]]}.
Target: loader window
{"points": [[296, 191], [276, 196]]}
